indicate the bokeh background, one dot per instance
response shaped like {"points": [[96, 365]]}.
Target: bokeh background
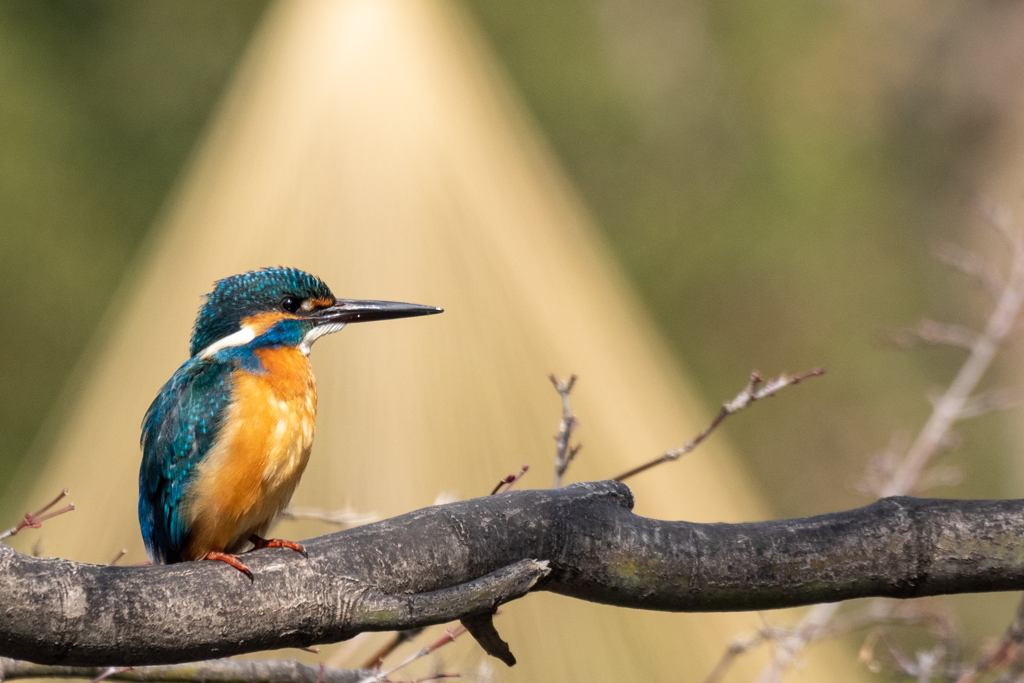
{"points": [[659, 196]]}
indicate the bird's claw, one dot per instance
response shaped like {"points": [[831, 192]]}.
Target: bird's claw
{"points": [[259, 543], [231, 560]]}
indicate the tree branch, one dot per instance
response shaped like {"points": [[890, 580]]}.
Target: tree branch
{"points": [[564, 450], [213, 671], [462, 560], [754, 391]]}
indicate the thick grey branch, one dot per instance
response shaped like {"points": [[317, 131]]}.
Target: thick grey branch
{"points": [[464, 559], [214, 671]]}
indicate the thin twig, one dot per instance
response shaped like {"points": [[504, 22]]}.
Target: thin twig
{"points": [[449, 636], [953, 405], [736, 648], [344, 519], [933, 332], [989, 401], [753, 392], [35, 519], [223, 670], [1011, 642], [949, 408], [110, 671], [788, 649], [508, 481], [817, 626], [393, 643], [564, 452], [999, 218], [972, 265]]}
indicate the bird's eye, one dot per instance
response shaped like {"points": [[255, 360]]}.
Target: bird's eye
{"points": [[290, 304]]}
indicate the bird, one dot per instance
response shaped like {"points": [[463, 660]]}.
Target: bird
{"points": [[227, 438]]}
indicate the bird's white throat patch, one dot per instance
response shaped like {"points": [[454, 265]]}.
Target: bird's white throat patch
{"points": [[316, 333], [243, 336], [247, 334]]}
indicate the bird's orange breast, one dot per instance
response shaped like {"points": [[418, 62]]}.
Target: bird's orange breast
{"points": [[248, 477]]}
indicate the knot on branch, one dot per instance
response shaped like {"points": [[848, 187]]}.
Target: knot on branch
{"points": [[611, 490]]}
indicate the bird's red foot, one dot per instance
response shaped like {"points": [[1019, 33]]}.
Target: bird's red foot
{"points": [[230, 559], [260, 543]]}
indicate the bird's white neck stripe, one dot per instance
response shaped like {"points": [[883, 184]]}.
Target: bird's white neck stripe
{"points": [[247, 334], [243, 336], [316, 333]]}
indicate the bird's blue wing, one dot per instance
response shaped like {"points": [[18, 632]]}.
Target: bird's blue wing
{"points": [[179, 429]]}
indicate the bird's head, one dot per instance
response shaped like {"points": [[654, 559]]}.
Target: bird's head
{"points": [[282, 307]]}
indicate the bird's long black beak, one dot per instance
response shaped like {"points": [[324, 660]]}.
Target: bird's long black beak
{"points": [[361, 311]]}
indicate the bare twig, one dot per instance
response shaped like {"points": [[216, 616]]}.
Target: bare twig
{"points": [[508, 481], [753, 392], [927, 662], [343, 519], [217, 670], [564, 451], [949, 408], [989, 401], [1008, 646], [954, 404], [999, 218], [814, 627], [933, 332], [110, 671], [971, 265], [739, 646], [393, 643], [789, 648], [35, 519], [449, 636]]}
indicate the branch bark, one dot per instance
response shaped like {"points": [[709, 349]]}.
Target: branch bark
{"points": [[462, 560], [214, 671]]}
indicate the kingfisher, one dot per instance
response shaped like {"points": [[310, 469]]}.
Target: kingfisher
{"points": [[226, 440]]}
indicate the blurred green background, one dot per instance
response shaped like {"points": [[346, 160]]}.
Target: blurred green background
{"points": [[770, 177]]}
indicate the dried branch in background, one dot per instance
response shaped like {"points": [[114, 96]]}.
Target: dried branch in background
{"points": [[909, 473], [737, 647], [989, 401], [397, 639], [564, 452], [933, 332], [1008, 647], [449, 636], [949, 408], [213, 671], [789, 648], [752, 392], [972, 265], [343, 519], [35, 519]]}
